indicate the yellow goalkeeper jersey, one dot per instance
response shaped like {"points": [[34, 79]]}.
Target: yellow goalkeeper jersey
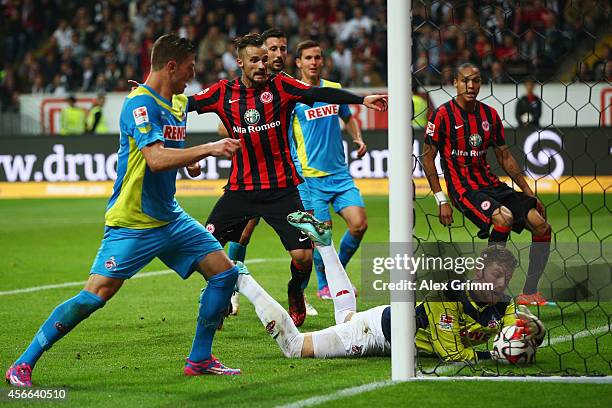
{"points": [[449, 324]]}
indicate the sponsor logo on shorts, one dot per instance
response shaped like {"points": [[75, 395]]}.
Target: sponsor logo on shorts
{"points": [[61, 328], [485, 205], [266, 97], [446, 322], [110, 263], [342, 292], [210, 228]]}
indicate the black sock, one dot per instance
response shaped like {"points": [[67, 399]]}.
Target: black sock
{"points": [[538, 258], [298, 276], [499, 235]]}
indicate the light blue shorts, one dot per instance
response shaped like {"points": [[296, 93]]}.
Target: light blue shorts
{"points": [[336, 189], [305, 195], [181, 245]]}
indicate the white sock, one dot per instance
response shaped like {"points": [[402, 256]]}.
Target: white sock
{"points": [[340, 286], [327, 344], [273, 316]]}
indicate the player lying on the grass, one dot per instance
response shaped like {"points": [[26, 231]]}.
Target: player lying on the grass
{"points": [[143, 220], [462, 130], [450, 329]]}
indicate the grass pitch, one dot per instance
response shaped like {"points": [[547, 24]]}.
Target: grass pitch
{"points": [[131, 352]]}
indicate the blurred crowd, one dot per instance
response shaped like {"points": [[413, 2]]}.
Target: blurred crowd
{"points": [[59, 47]]}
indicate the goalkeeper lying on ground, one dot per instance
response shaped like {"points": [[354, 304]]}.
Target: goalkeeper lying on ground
{"points": [[449, 328]]}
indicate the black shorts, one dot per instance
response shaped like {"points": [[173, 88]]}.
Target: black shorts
{"points": [[235, 208], [478, 206]]}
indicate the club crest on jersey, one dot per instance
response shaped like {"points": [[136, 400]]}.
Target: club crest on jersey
{"points": [[485, 125], [266, 97], [493, 323], [210, 228], [140, 115], [475, 140], [446, 322], [251, 116], [110, 263], [485, 205]]}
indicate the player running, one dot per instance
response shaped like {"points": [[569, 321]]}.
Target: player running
{"points": [[462, 130], [144, 221], [450, 327], [320, 151], [275, 42], [263, 180]]}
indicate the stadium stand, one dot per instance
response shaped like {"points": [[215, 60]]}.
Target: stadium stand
{"points": [[59, 47]]}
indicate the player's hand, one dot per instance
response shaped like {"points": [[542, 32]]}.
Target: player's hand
{"points": [[225, 147], [362, 149], [376, 102], [194, 170], [446, 214], [535, 331]]}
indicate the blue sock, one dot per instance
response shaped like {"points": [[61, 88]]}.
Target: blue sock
{"points": [[236, 251], [213, 301], [63, 319], [319, 269], [348, 246]]}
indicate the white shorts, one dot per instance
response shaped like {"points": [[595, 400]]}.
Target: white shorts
{"points": [[363, 334]]}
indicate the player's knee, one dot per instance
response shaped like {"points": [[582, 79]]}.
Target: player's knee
{"points": [[359, 229], [302, 257], [542, 230], [503, 217], [292, 348]]}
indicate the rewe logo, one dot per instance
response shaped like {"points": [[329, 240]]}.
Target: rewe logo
{"points": [[174, 132], [321, 112]]}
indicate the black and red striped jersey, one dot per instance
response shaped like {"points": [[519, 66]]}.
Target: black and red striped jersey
{"points": [[462, 139], [260, 118]]}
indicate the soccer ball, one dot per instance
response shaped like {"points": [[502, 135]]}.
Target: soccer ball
{"points": [[510, 345]]}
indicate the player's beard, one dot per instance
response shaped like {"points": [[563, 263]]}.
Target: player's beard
{"points": [[259, 80]]}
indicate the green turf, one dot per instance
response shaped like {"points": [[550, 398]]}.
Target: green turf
{"points": [[131, 352]]}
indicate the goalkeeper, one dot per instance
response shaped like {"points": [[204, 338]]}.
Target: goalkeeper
{"points": [[450, 327]]}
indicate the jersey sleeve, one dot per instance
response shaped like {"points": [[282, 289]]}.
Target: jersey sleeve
{"points": [[345, 112], [436, 124], [207, 100], [498, 136], [142, 120], [295, 89], [443, 324]]}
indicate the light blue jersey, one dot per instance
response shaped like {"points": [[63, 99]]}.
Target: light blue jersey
{"points": [[318, 136], [142, 199], [143, 220]]}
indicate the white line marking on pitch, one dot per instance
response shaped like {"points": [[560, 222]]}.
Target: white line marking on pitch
{"points": [[137, 276], [348, 392]]}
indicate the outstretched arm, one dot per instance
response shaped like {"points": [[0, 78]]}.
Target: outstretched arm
{"points": [[160, 158]]}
